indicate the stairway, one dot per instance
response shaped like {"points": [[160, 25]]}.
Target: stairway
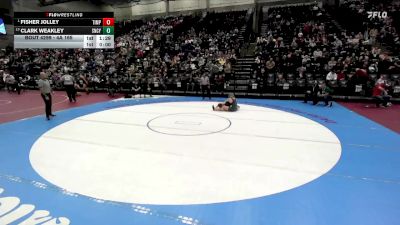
{"points": [[242, 31], [242, 73], [334, 21], [264, 28]]}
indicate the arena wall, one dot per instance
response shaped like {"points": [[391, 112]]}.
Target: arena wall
{"points": [[74, 6], [228, 3], [148, 8], [185, 5]]}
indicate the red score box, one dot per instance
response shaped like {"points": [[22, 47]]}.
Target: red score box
{"points": [[108, 22]]}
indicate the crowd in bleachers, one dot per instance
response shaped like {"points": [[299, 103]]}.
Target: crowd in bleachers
{"points": [[302, 45], [373, 27], [158, 53]]}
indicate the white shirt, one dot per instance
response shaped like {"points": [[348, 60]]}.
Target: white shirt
{"points": [[205, 80], [380, 81], [317, 54], [331, 76], [67, 79]]}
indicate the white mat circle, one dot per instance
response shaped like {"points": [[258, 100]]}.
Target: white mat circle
{"points": [[113, 155]]}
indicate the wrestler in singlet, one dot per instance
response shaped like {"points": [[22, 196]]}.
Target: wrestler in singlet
{"points": [[233, 106]]}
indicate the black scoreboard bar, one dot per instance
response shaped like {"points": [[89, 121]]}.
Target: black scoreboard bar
{"points": [[44, 15], [63, 30], [26, 22]]}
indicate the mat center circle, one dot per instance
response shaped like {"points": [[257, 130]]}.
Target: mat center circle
{"points": [[189, 124], [162, 154]]}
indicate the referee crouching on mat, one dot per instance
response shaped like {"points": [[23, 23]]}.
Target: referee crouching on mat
{"points": [[45, 91]]}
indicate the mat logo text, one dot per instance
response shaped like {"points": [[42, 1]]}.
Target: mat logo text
{"points": [[11, 211]]}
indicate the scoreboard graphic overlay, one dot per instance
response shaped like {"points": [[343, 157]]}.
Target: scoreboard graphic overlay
{"points": [[93, 30]]}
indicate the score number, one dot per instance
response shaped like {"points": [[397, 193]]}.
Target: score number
{"points": [[108, 30], [108, 22], [108, 26]]}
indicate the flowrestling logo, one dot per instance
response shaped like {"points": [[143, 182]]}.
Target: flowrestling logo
{"points": [[376, 14], [2, 27]]}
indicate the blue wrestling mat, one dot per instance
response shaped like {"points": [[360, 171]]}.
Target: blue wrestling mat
{"points": [[360, 186]]}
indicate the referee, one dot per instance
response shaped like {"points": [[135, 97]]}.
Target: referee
{"points": [[69, 85], [45, 91]]}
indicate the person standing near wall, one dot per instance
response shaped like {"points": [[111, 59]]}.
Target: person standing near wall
{"points": [[69, 85], [10, 83], [205, 86], [312, 93], [45, 91]]}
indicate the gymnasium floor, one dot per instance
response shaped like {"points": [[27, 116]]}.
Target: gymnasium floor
{"points": [[172, 160]]}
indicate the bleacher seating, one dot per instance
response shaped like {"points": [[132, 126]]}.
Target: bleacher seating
{"points": [[304, 42]]}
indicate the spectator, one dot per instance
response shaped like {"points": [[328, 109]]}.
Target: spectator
{"points": [[136, 89], [280, 82], [270, 65], [341, 75], [332, 63], [325, 93], [381, 96], [317, 53], [331, 76], [312, 93], [381, 80], [11, 83]]}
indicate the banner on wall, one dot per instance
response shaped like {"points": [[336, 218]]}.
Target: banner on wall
{"points": [[2, 27]]}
